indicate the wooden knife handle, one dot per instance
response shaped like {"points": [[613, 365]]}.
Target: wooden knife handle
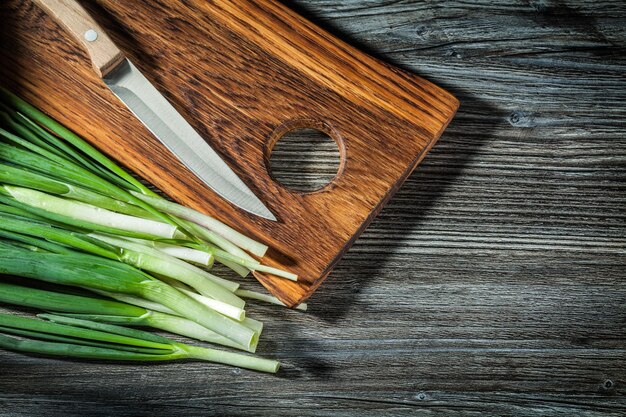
{"points": [[104, 54]]}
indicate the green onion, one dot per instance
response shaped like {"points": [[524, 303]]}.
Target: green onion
{"points": [[223, 256], [217, 240], [90, 271], [136, 301], [11, 321], [61, 131], [157, 262], [228, 310], [69, 172], [18, 124], [10, 174], [92, 340], [17, 140], [129, 253], [71, 223], [68, 152], [167, 322], [65, 303], [52, 234], [15, 175], [69, 215], [210, 223], [222, 243], [183, 253], [78, 351], [86, 213], [28, 240], [142, 258], [266, 298], [114, 312], [65, 339], [155, 307]]}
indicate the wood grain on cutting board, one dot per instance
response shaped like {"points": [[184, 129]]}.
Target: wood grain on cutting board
{"points": [[242, 73]]}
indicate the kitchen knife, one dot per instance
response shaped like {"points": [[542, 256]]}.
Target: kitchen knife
{"points": [[151, 108]]}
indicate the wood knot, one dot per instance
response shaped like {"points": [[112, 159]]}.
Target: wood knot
{"points": [[423, 32], [522, 119], [608, 385]]}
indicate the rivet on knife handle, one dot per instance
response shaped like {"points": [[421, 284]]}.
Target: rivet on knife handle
{"points": [[104, 54], [152, 109]]}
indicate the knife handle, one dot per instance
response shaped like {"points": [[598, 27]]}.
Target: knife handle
{"points": [[104, 54]]}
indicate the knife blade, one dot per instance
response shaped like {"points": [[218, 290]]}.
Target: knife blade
{"points": [[152, 108]]}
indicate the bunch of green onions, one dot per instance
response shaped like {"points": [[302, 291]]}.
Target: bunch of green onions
{"points": [[72, 217]]}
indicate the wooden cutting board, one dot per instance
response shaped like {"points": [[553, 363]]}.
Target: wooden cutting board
{"points": [[244, 73]]}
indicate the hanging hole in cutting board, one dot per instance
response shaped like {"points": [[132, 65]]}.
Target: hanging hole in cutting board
{"points": [[305, 159]]}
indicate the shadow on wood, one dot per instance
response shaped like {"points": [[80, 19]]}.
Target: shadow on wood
{"points": [[352, 275]]}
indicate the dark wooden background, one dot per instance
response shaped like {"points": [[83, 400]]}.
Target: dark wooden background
{"points": [[493, 283]]}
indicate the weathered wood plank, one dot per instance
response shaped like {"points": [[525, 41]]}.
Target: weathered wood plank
{"points": [[494, 282]]}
